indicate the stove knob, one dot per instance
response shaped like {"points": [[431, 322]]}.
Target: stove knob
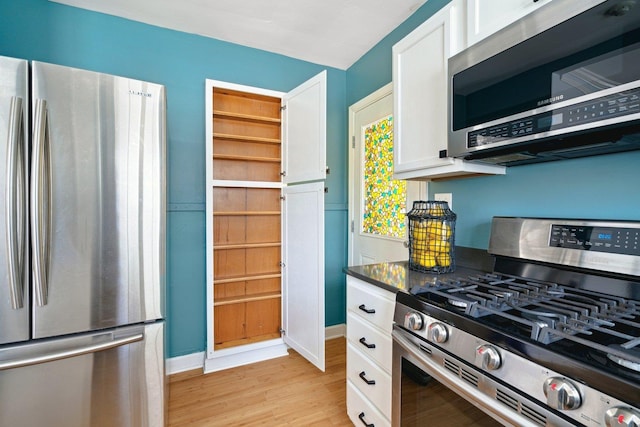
{"points": [[438, 333], [413, 321], [620, 416], [561, 394], [488, 357]]}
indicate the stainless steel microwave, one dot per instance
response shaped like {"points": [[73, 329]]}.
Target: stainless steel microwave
{"points": [[562, 82]]}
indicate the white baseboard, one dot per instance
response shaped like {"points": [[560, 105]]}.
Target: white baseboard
{"points": [[192, 361], [185, 363], [335, 331]]}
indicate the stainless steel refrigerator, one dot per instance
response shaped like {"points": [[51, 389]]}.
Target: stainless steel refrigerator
{"points": [[82, 245]]}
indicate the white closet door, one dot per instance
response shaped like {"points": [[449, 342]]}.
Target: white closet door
{"points": [[304, 128], [303, 272]]}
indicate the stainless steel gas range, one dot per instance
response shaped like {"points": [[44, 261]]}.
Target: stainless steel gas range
{"points": [[550, 337]]}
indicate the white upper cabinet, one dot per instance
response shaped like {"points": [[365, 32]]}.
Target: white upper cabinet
{"points": [[304, 129], [421, 99], [485, 17]]}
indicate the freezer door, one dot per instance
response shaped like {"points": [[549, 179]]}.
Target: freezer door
{"points": [[97, 200], [14, 279], [114, 378]]}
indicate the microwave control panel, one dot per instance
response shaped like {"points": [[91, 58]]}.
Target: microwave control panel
{"points": [[600, 239], [602, 108]]}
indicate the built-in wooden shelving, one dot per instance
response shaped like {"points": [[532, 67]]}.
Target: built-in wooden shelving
{"points": [[243, 299], [247, 158], [245, 138], [247, 117], [246, 219]]}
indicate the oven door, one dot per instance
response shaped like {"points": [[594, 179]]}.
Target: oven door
{"points": [[426, 392]]}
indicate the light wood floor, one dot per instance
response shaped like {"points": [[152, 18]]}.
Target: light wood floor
{"points": [[287, 391]]}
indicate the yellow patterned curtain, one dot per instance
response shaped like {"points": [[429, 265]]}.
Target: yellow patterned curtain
{"points": [[384, 198]]}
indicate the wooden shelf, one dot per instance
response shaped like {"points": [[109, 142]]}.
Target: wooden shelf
{"points": [[226, 183], [247, 278], [247, 213], [246, 138], [246, 117], [243, 299], [246, 158], [247, 246], [236, 343]]}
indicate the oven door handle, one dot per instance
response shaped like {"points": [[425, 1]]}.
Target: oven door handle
{"points": [[455, 383]]}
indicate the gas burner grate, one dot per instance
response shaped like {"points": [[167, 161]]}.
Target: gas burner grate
{"points": [[548, 311]]}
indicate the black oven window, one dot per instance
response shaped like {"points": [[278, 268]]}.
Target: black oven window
{"points": [[599, 52], [426, 402]]}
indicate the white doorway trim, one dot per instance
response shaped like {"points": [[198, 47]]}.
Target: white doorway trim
{"points": [[353, 111]]}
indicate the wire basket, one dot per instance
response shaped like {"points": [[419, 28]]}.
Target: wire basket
{"points": [[431, 237]]}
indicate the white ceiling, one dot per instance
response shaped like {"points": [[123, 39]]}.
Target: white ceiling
{"points": [[335, 33]]}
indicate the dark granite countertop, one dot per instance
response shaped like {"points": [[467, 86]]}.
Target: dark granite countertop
{"points": [[396, 276]]}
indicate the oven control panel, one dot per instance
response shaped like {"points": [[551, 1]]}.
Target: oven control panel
{"points": [[616, 240]]}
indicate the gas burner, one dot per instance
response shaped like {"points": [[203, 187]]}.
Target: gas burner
{"points": [[622, 361], [541, 318]]}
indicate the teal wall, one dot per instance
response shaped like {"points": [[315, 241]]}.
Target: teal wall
{"points": [[50, 32], [603, 187]]}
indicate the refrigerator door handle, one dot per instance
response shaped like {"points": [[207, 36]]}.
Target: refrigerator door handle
{"points": [[15, 212], [40, 201], [45, 357]]}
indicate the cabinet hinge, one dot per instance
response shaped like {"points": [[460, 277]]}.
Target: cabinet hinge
{"points": [[282, 331], [283, 173], [353, 226], [283, 197], [353, 141], [283, 107], [282, 264]]}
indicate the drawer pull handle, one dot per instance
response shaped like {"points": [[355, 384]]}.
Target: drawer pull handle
{"points": [[364, 342], [364, 378], [367, 310], [361, 416]]}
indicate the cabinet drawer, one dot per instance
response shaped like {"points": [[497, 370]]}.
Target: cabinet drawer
{"points": [[372, 381], [371, 303], [361, 411], [371, 341]]}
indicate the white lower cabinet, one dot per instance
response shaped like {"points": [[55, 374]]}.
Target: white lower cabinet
{"points": [[361, 411], [369, 351], [370, 379]]}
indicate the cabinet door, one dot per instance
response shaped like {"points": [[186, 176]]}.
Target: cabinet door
{"points": [[485, 17], [420, 100], [303, 272], [304, 129], [420, 95]]}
